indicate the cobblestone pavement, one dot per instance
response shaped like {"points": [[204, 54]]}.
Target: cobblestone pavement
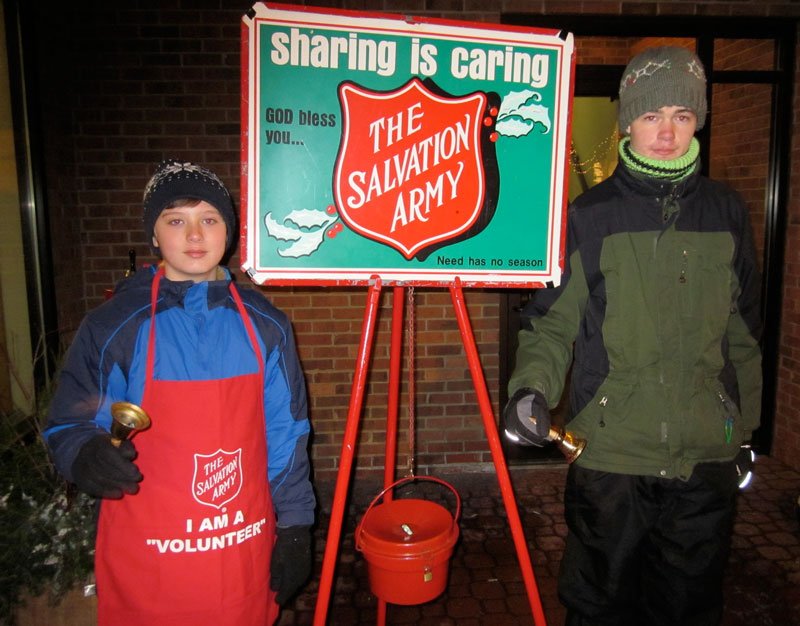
{"points": [[485, 586]]}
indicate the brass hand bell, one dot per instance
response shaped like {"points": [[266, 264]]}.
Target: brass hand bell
{"points": [[128, 419], [571, 447]]}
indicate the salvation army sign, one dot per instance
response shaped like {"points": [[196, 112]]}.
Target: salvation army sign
{"points": [[427, 193], [414, 150]]}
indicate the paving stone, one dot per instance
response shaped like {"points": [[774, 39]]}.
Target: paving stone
{"points": [[405, 614], [477, 560], [463, 607], [492, 606], [773, 553], [550, 543], [437, 621], [782, 539], [486, 590]]}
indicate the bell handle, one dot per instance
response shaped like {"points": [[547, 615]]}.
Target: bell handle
{"points": [[570, 446]]}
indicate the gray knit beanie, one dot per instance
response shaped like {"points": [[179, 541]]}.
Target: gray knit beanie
{"points": [[658, 77], [177, 180]]}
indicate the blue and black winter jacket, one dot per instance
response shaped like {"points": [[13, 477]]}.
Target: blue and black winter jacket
{"points": [[200, 336]]}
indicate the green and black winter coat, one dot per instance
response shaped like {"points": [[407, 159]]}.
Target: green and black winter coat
{"points": [[659, 307]]}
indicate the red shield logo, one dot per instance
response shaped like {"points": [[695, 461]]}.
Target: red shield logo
{"points": [[411, 170], [217, 477]]}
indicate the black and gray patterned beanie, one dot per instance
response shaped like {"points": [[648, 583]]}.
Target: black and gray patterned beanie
{"points": [[175, 180], [658, 77]]}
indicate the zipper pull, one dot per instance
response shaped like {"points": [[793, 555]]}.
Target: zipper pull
{"points": [[729, 421], [603, 402], [682, 277]]}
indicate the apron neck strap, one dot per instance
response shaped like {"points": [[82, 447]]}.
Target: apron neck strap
{"points": [[248, 324], [152, 337]]}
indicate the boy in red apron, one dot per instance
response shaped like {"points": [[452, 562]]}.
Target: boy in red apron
{"points": [[212, 523]]}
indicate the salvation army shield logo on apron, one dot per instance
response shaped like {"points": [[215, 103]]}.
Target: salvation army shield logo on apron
{"points": [[416, 167], [217, 477]]}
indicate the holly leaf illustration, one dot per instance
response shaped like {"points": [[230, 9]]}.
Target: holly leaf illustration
{"points": [[520, 112], [304, 227]]}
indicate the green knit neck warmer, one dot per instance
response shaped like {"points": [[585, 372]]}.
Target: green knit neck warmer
{"points": [[673, 170]]}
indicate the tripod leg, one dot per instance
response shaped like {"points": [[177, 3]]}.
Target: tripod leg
{"points": [[346, 458], [506, 490]]}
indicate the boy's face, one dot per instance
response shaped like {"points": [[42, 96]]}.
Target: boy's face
{"points": [[664, 134], [191, 240]]}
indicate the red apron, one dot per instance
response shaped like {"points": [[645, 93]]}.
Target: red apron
{"points": [[194, 545]]}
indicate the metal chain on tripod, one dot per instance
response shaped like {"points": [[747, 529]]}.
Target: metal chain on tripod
{"points": [[411, 326]]}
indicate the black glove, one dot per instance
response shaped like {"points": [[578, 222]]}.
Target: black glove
{"points": [[745, 461], [103, 470], [291, 561], [523, 405]]}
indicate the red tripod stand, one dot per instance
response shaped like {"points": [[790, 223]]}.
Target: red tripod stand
{"points": [[351, 432]]}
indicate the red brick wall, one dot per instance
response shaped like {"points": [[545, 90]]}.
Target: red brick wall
{"points": [[741, 150], [127, 84], [328, 324]]}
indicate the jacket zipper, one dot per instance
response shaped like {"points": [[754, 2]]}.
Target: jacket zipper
{"points": [[603, 402], [682, 277], [669, 200]]}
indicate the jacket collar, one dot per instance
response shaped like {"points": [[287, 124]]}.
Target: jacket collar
{"points": [[181, 292], [655, 187]]}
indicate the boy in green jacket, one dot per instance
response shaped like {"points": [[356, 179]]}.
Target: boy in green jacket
{"points": [[660, 300]]}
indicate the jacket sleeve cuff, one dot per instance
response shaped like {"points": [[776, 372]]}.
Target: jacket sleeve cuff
{"points": [[295, 518]]}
